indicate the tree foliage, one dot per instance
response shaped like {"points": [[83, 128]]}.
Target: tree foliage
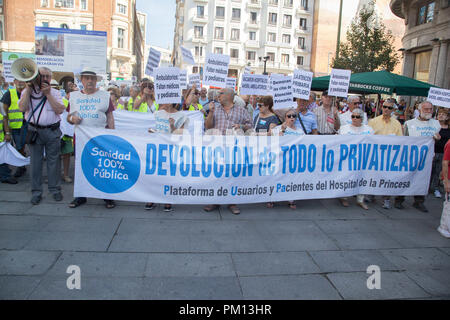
{"points": [[369, 46]]}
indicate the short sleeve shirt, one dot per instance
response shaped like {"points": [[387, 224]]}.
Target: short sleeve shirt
{"points": [[224, 121]]}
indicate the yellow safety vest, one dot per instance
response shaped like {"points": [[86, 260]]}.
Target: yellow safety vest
{"points": [[15, 116], [65, 102], [192, 108], [2, 133], [120, 106]]}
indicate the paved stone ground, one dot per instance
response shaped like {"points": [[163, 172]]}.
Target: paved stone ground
{"points": [[319, 251]]}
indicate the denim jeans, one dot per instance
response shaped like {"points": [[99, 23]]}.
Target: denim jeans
{"points": [[5, 172]]}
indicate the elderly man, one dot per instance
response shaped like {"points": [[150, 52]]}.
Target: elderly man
{"points": [[42, 106], [100, 117], [203, 99], [224, 119], [15, 119], [312, 105], [327, 116], [306, 119], [423, 126], [353, 102], [386, 125]]}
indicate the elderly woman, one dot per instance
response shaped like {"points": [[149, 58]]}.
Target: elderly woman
{"points": [[287, 128], [169, 121], [266, 119], [356, 128], [191, 101]]}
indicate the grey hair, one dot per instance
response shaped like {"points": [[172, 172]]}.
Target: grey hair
{"points": [[136, 88], [358, 111], [213, 94], [46, 69], [352, 98], [422, 103], [230, 92], [313, 95]]}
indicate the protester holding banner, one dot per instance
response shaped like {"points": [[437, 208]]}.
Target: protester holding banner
{"points": [[423, 126], [91, 107], [146, 100], [15, 120], [443, 119], [266, 119], [42, 106], [352, 102], [5, 135], [388, 126], [327, 116], [115, 96], [66, 143], [306, 119]]}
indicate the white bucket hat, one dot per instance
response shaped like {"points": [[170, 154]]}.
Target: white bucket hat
{"points": [[88, 72]]}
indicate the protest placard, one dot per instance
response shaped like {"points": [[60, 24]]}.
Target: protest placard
{"points": [[339, 82], [187, 55], [282, 91], [68, 49], [247, 70], [439, 97], [183, 79], [8, 58], [257, 84], [194, 78], [167, 85], [154, 57], [301, 84], [231, 83], [216, 70]]}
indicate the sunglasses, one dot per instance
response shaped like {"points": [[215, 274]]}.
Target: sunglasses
{"points": [[291, 116], [150, 86], [260, 105], [390, 108], [356, 117]]}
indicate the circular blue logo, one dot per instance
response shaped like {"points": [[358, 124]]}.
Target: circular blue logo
{"points": [[110, 164]]}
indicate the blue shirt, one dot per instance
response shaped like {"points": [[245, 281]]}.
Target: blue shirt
{"points": [[309, 121]]}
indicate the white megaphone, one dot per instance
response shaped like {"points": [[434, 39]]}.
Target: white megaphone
{"points": [[24, 69]]}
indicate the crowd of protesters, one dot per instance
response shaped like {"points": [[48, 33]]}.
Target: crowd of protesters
{"points": [[34, 111]]}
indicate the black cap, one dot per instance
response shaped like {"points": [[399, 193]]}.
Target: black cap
{"points": [[325, 93]]}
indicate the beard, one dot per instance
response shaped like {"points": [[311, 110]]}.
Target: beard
{"points": [[426, 116]]}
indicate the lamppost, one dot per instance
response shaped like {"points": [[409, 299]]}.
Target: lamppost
{"points": [[265, 62]]}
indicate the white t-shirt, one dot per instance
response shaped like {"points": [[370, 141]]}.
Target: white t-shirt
{"points": [[352, 130], [346, 118], [92, 108], [162, 120], [289, 131], [417, 128]]}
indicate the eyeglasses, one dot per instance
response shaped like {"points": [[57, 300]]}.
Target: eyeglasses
{"points": [[147, 85], [356, 117], [261, 105], [291, 116], [390, 108]]}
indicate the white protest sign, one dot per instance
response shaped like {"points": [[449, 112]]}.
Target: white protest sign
{"points": [[301, 84], [439, 97], [257, 84], [183, 79], [247, 69], [194, 78], [8, 58], [231, 83], [167, 85], [216, 70], [282, 92], [187, 55], [339, 82], [154, 57]]}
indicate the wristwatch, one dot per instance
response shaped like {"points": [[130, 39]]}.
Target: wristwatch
{"points": [[8, 133]]}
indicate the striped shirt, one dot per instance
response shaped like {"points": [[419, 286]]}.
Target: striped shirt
{"points": [[325, 121], [309, 121]]}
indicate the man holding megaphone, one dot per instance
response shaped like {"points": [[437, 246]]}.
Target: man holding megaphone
{"points": [[42, 106]]}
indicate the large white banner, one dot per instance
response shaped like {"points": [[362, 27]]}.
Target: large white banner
{"points": [[112, 164], [70, 50], [9, 155]]}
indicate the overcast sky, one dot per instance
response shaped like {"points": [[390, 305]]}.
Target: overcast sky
{"points": [[160, 21]]}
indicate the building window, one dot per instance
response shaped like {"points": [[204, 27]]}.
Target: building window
{"points": [[253, 17], [220, 12], [64, 3], [1, 31], [286, 38], [234, 53], [236, 14], [218, 50], [445, 4], [45, 24], [275, 2], [287, 21], [272, 18], [83, 4], [251, 55], [64, 26], [288, 3], [304, 4], [272, 37], [303, 23], [121, 8], [199, 51], [284, 58], [198, 31], [301, 43], [271, 56], [83, 27], [252, 35], [200, 11], [120, 38], [422, 66], [218, 33], [426, 13], [234, 34], [299, 60], [44, 3]]}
